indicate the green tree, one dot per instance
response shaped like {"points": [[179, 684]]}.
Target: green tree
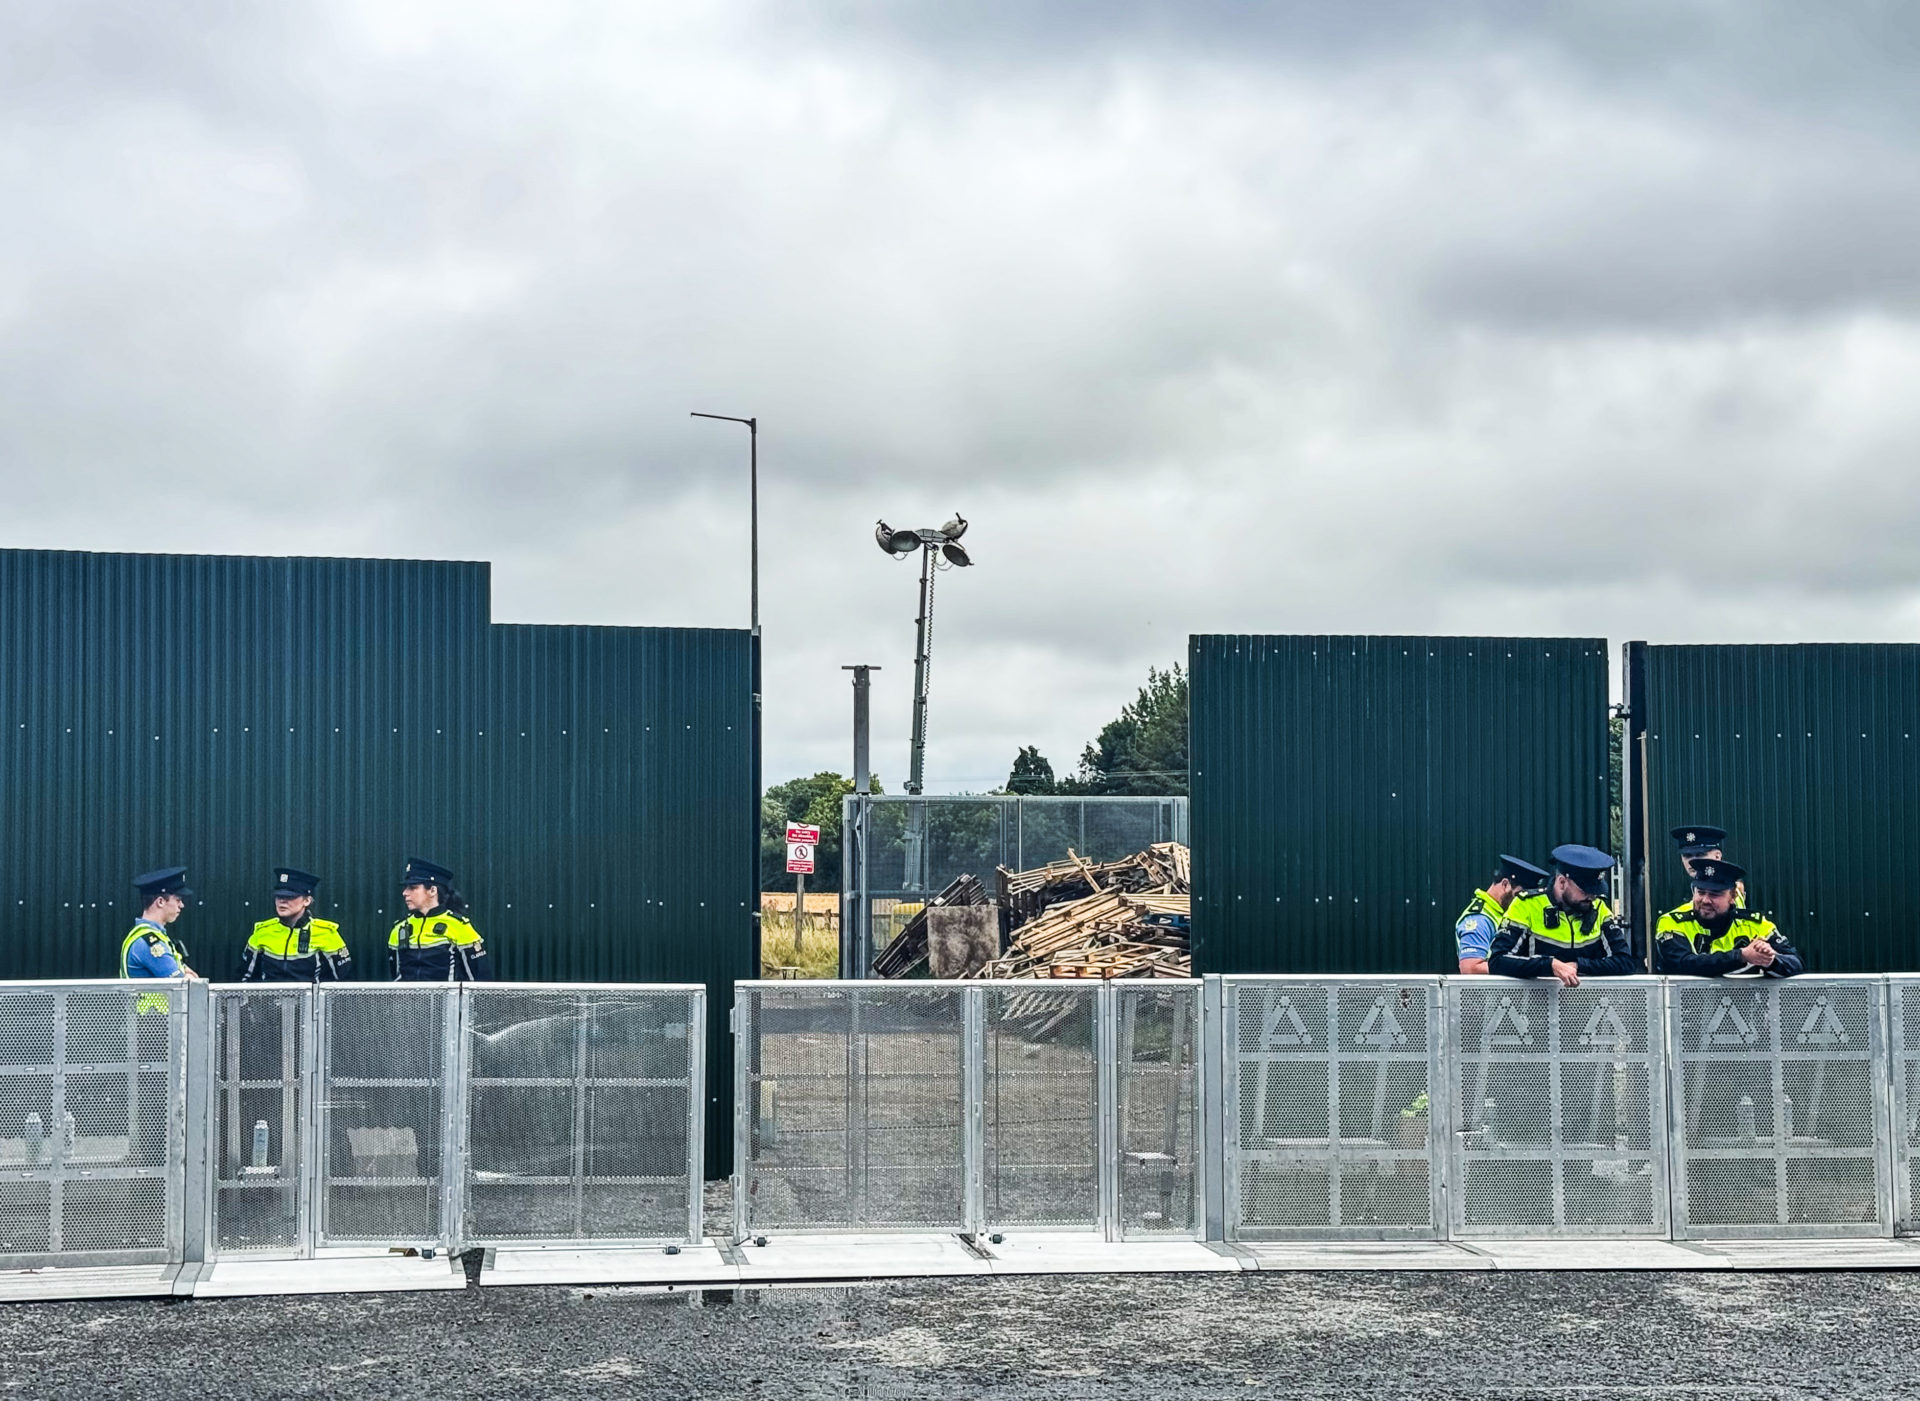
{"points": [[1031, 772], [1144, 750], [815, 801]]}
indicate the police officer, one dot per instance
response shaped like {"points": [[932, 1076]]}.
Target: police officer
{"points": [[293, 946], [1698, 839], [149, 951], [1567, 931], [435, 943], [1714, 938], [1474, 931]]}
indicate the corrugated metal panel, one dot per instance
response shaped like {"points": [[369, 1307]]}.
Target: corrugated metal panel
{"points": [[1809, 756], [1350, 792], [592, 786]]}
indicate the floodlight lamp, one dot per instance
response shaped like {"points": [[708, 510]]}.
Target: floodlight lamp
{"points": [[956, 553], [955, 528], [895, 542]]}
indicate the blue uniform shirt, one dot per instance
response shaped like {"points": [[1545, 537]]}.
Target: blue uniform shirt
{"points": [[1474, 934], [144, 961]]}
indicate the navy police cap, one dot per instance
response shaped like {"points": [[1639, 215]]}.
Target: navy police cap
{"points": [[291, 880], [1524, 874], [1585, 866], [1711, 873], [1698, 838], [168, 880], [423, 872]]}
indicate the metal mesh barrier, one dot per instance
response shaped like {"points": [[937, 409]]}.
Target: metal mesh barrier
{"points": [[1780, 1124], [1904, 1020], [848, 1114], [263, 1065], [386, 1054], [92, 1119], [1559, 1108], [1042, 1107], [1157, 1049], [1330, 1089], [581, 1115]]}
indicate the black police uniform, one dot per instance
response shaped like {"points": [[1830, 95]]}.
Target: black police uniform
{"points": [[1693, 947], [438, 946], [307, 950]]}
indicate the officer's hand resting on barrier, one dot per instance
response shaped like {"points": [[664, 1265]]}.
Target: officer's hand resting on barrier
{"points": [[1759, 953], [1567, 973]]}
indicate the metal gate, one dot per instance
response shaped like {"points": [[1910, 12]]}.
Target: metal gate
{"points": [[264, 1059], [1559, 1108], [582, 1108], [1780, 1092], [1903, 1016], [1156, 1059], [1333, 1091], [92, 1119], [1043, 1121]]}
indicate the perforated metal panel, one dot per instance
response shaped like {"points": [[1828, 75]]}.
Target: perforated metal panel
{"points": [[849, 1107], [581, 1115], [263, 1064], [1780, 1090], [1158, 1047], [1903, 1016], [387, 1055], [1332, 1093], [92, 1113], [1559, 1108], [1042, 1107]]}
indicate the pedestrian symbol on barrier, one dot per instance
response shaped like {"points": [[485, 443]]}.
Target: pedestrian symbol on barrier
{"points": [[1822, 1026], [1743, 1033], [1605, 1031], [1508, 1016], [1381, 1029], [1270, 1033]]}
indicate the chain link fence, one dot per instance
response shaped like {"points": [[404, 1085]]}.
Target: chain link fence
{"points": [[1780, 1092], [1559, 1108], [971, 1107]]}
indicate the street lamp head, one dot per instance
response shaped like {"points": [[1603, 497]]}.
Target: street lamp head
{"points": [[955, 528], [895, 542], [956, 553]]}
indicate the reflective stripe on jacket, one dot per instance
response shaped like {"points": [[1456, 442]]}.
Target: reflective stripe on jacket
{"points": [[308, 951], [1688, 947], [438, 947]]}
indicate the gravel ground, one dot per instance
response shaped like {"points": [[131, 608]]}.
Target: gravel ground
{"points": [[1159, 1338]]}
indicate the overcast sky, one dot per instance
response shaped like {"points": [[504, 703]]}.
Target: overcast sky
{"points": [[1595, 318]]}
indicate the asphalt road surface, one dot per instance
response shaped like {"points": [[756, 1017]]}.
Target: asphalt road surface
{"points": [[1699, 1336]]}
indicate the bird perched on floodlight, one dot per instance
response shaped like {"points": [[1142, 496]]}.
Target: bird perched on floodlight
{"points": [[955, 528], [895, 542]]}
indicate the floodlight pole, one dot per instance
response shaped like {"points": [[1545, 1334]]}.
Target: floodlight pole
{"points": [[924, 624]]}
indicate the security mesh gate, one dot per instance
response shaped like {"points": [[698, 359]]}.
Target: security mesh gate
{"points": [[848, 1112], [1042, 1108], [92, 1117], [1559, 1108], [582, 1113], [1904, 1019], [263, 1064], [387, 1054], [1157, 1050], [1779, 1091], [1330, 1093]]}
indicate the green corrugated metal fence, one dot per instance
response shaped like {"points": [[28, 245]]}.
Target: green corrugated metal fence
{"points": [[1350, 792]]}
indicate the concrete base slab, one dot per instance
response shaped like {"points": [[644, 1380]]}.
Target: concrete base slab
{"points": [[694, 1266], [857, 1257], [1815, 1254], [363, 1274], [1363, 1255], [107, 1282], [1053, 1255], [1594, 1255]]}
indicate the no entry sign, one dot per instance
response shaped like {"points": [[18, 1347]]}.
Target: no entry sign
{"points": [[801, 840]]}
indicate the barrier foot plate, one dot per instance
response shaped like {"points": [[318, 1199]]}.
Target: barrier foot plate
{"points": [[88, 1282], [694, 1266], [1023, 1254], [905, 1256], [350, 1274]]}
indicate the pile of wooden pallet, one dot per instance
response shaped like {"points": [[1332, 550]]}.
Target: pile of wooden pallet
{"points": [[1120, 919]]}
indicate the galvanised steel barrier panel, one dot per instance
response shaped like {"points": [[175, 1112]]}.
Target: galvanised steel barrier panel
{"points": [[1903, 1016], [264, 1062], [1559, 1108], [1043, 1125], [1780, 1123], [1157, 1055], [850, 1107], [92, 1123], [388, 1141], [583, 1113], [1334, 1102]]}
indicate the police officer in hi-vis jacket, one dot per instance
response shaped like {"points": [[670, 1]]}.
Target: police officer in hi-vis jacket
{"points": [[436, 942], [1567, 932], [295, 946]]}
